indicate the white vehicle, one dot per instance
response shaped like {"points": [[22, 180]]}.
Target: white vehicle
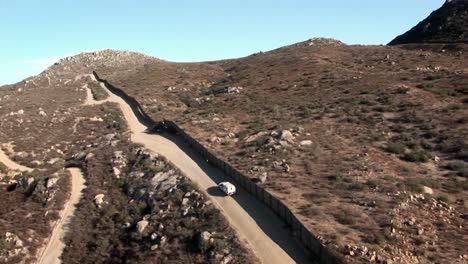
{"points": [[227, 187]]}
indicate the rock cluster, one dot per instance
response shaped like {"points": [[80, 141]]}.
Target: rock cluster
{"points": [[321, 42], [12, 246]]}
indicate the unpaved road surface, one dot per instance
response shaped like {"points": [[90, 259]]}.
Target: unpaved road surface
{"points": [[256, 225], [11, 164], [53, 250]]}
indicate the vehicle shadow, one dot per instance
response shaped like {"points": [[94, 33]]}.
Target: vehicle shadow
{"points": [[265, 218], [215, 191]]}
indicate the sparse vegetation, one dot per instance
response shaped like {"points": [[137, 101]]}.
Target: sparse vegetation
{"points": [[416, 156], [460, 167], [396, 147], [3, 168], [413, 184], [97, 91]]}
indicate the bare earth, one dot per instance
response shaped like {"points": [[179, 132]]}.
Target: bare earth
{"points": [[256, 225], [11, 164], [54, 248]]}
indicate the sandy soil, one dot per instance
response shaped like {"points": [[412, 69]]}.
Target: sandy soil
{"points": [[53, 250], [255, 224]]}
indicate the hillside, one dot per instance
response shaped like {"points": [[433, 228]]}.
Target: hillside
{"points": [[367, 146], [447, 24], [358, 140], [126, 214]]}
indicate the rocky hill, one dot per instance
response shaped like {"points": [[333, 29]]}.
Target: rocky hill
{"points": [[366, 144], [448, 24], [127, 214], [358, 140]]}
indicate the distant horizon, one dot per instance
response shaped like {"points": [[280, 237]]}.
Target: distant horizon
{"points": [[39, 34]]}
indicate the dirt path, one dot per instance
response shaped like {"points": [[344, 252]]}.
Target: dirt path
{"points": [[53, 250], [11, 164], [256, 225]]}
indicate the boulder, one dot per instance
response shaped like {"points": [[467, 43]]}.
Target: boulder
{"points": [[116, 172], [204, 241], [89, 156], [139, 194], [79, 156], [254, 137], [305, 143], [160, 177], [53, 161], [141, 226], [27, 183], [99, 199], [168, 183], [287, 136], [109, 137], [51, 181], [263, 177], [227, 259], [427, 190]]}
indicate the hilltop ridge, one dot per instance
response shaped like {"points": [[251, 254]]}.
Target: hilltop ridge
{"points": [[447, 24]]}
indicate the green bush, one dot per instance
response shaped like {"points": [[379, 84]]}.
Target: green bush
{"points": [[462, 90], [346, 216], [413, 184], [3, 167], [416, 156], [122, 182], [396, 147], [443, 198], [402, 90], [457, 165]]}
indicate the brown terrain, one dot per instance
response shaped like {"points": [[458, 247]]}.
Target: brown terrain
{"points": [[367, 145], [118, 219]]}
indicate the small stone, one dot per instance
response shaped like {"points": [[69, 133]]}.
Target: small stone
{"points": [[116, 171], [141, 226], [305, 143], [154, 247]]}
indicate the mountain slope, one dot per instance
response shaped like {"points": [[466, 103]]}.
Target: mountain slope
{"points": [[126, 215], [448, 24], [341, 134]]}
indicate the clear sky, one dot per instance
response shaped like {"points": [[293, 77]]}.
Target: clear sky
{"points": [[34, 34]]}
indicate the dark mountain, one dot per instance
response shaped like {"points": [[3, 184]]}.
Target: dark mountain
{"points": [[447, 24]]}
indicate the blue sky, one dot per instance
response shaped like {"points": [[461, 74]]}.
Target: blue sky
{"points": [[34, 33]]}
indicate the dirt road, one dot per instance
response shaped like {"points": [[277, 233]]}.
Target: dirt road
{"points": [[256, 225], [53, 250], [11, 164]]}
